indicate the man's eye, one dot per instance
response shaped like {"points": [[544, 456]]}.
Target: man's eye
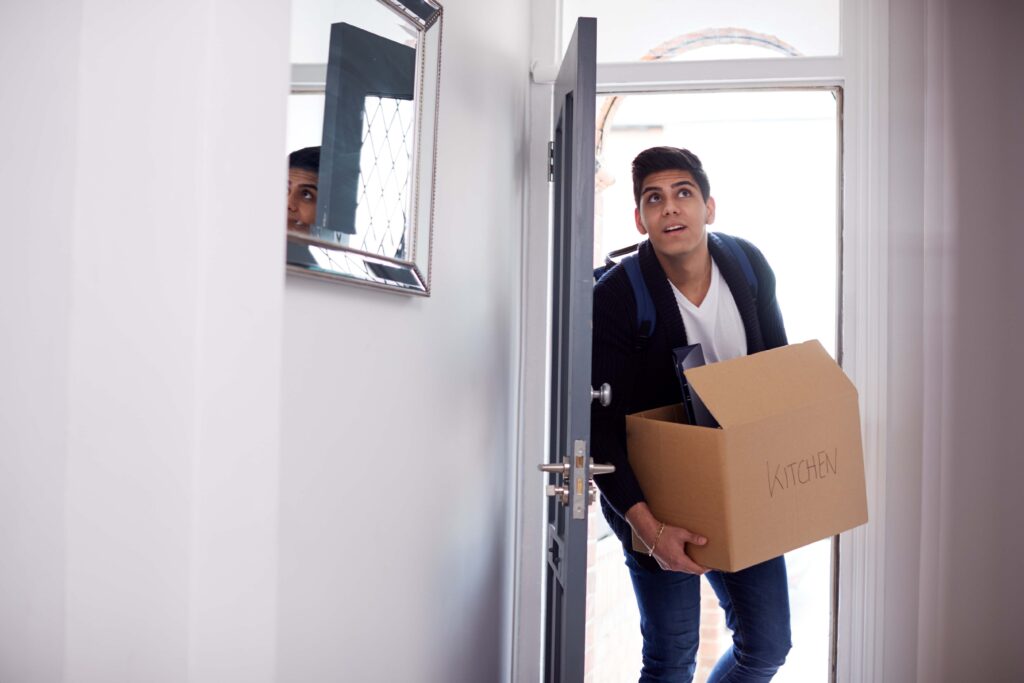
{"points": [[684, 192], [309, 196], [653, 198]]}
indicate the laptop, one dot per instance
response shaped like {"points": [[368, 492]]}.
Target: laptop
{"points": [[685, 358]]}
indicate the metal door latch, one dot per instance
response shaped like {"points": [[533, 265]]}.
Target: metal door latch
{"points": [[562, 488]]}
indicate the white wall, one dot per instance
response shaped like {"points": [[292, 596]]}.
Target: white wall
{"points": [[397, 463], [142, 289], [39, 46], [147, 433]]}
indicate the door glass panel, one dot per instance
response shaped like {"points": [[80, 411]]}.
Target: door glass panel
{"points": [[688, 29], [772, 159]]}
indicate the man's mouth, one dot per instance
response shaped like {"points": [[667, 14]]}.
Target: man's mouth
{"points": [[675, 228]]}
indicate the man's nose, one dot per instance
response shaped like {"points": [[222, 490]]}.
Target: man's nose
{"points": [[670, 207]]}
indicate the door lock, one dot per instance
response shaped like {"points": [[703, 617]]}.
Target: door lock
{"points": [[562, 489], [559, 492]]}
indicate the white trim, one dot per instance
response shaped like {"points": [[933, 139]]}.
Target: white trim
{"points": [[528, 558], [309, 78], [528, 621], [733, 73], [863, 342]]}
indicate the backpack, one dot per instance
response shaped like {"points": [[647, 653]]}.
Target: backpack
{"points": [[646, 316]]}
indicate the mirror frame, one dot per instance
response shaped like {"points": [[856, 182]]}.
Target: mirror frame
{"points": [[413, 274]]}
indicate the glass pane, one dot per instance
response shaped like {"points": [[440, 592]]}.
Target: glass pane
{"points": [[384, 167], [695, 29], [771, 158], [384, 175]]}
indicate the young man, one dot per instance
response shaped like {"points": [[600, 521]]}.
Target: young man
{"points": [[701, 295], [303, 175]]}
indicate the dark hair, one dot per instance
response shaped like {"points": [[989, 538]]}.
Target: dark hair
{"points": [[307, 158], [668, 159]]}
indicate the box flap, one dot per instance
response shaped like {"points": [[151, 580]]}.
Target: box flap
{"points": [[751, 388]]}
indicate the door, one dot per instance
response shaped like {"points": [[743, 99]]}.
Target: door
{"points": [[572, 157]]}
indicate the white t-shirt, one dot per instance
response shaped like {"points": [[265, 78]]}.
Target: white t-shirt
{"points": [[715, 324]]}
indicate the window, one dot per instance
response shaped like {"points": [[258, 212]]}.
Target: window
{"points": [[642, 31]]}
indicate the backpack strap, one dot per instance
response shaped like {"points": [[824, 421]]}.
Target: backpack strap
{"points": [[730, 243], [646, 315]]}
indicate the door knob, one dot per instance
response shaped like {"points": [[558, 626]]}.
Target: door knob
{"points": [[603, 395]]}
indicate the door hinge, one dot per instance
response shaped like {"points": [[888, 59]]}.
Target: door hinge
{"points": [[551, 161]]}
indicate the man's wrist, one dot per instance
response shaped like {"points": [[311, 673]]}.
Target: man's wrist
{"points": [[644, 523]]}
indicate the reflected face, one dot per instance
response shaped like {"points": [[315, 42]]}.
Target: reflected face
{"points": [[301, 199], [673, 214]]}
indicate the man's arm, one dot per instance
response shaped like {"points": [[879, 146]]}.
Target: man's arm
{"points": [[614, 361], [669, 542]]}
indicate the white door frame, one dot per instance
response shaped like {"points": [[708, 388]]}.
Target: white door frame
{"points": [[862, 70]]}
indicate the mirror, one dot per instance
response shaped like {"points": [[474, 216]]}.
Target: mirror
{"points": [[362, 129]]}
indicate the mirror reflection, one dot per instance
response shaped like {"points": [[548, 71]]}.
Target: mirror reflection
{"points": [[361, 129]]}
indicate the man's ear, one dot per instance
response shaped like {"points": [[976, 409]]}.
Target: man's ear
{"points": [[710, 211], [639, 224]]}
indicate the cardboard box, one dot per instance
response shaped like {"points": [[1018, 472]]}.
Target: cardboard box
{"points": [[785, 468]]}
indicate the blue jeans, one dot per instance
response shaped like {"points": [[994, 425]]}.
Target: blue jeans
{"points": [[756, 604]]}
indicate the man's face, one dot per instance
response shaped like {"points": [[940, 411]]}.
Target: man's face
{"points": [[672, 213], [301, 199]]}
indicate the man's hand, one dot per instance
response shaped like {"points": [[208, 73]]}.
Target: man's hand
{"points": [[671, 550], [670, 546]]}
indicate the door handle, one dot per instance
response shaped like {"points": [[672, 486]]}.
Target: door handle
{"points": [[555, 468], [603, 395], [561, 488]]}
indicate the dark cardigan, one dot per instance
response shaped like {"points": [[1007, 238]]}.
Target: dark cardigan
{"points": [[645, 379]]}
